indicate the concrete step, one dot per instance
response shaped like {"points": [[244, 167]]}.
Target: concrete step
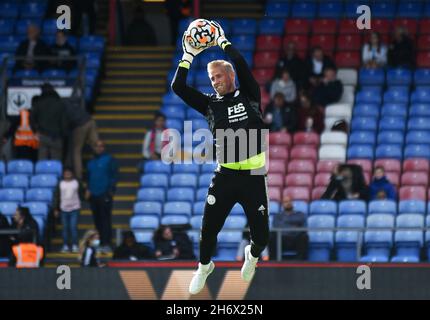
{"points": [[126, 107], [134, 82], [129, 99], [126, 91], [138, 65]]}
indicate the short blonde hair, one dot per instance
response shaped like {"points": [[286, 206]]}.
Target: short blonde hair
{"points": [[221, 63]]}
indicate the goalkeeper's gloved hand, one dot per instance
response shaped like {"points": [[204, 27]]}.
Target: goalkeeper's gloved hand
{"points": [[189, 52], [220, 38]]}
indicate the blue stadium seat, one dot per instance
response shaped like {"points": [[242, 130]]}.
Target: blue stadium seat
{"points": [[392, 123], [366, 110], [196, 222], [9, 10], [37, 208], [321, 221], [301, 206], [193, 114], [144, 237], [330, 9], [227, 245], [2, 169], [210, 55], [33, 10], [277, 9], [235, 222], [49, 27], [183, 25], [237, 210], [394, 110], [371, 77], [9, 44], [26, 74], [173, 111], [390, 137], [383, 9], [351, 7], [408, 243], [380, 220], [304, 9], [174, 124], [409, 9], [144, 222], [183, 180], [91, 43], [201, 78], [180, 194], [22, 25], [419, 110], [271, 26], [198, 208], [361, 151], [417, 137], [377, 246], [7, 26], [93, 60], [11, 195], [382, 206], [186, 168], [412, 206], [205, 180], [154, 180], [8, 208], [174, 219], [352, 207], [151, 194], [40, 224], [362, 137], [422, 77], [364, 124], [400, 77], [44, 181], [244, 42], [177, 208], [20, 167], [421, 95], [416, 151], [15, 181], [397, 95], [201, 194], [244, 26], [346, 241], [148, 208], [49, 167], [275, 207], [419, 123], [39, 194], [320, 245], [323, 207], [393, 151], [156, 166]]}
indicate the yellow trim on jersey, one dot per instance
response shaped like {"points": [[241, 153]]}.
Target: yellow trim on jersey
{"points": [[255, 162], [184, 64]]}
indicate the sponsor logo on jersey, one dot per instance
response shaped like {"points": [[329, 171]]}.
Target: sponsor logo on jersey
{"points": [[237, 113]]}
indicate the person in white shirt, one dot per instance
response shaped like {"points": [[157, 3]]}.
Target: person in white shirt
{"points": [[68, 203], [374, 52], [284, 85]]}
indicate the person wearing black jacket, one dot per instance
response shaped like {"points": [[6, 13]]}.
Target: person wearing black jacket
{"points": [[280, 116], [5, 242], [291, 62], [131, 250], [172, 245], [329, 90], [314, 67], [401, 50], [347, 183], [235, 118], [24, 222], [63, 49]]}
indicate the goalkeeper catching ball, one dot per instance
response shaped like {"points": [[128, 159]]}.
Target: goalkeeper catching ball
{"points": [[242, 180]]}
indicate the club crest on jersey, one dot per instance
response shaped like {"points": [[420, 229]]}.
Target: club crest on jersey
{"points": [[237, 113]]}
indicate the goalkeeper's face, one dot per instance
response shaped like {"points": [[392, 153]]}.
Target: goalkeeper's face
{"points": [[222, 80]]}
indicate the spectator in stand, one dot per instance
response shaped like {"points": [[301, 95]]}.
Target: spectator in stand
{"points": [[23, 221], [68, 202], [102, 172], [153, 144], [62, 49], [88, 249], [380, 183], [172, 246], [177, 10], [49, 122], [131, 250], [246, 240], [32, 47], [140, 32], [280, 116], [5, 243], [291, 62], [314, 67], [85, 17], [26, 253], [374, 52], [284, 85], [310, 117], [329, 89], [291, 240], [346, 183], [401, 52]]}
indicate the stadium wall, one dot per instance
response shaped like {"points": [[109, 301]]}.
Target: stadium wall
{"points": [[169, 281]]}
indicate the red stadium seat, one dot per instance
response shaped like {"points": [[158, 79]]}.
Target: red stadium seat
{"points": [[388, 164], [367, 176], [278, 152], [324, 26], [265, 98], [301, 41], [269, 42], [322, 179], [348, 59], [424, 42], [297, 193], [266, 59], [424, 26], [304, 152], [310, 138], [263, 75], [412, 193], [297, 26], [349, 42], [280, 138], [277, 166], [416, 164], [382, 26], [326, 42], [275, 180], [301, 166], [415, 178], [393, 177], [410, 24], [423, 59], [317, 192], [348, 26], [385, 37], [326, 165], [275, 194], [364, 163], [299, 180]]}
